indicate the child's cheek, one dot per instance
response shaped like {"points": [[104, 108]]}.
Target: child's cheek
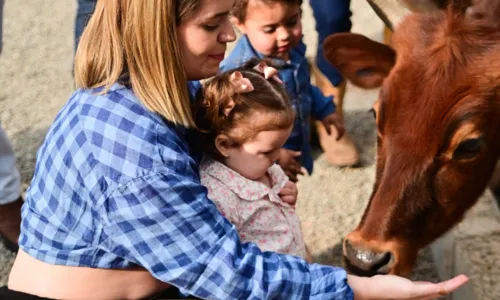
{"points": [[267, 44]]}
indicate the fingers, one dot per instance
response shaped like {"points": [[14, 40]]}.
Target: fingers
{"points": [[303, 171], [289, 200], [427, 290], [290, 189], [285, 191], [290, 164], [327, 125], [340, 132], [290, 186], [452, 284], [295, 167], [291, 176], [292, 170]]}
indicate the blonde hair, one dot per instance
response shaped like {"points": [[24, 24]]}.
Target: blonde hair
{"points": [[138, 38]]}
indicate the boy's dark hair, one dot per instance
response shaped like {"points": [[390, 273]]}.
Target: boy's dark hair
{"points": [[240, 7], [268, 97]]}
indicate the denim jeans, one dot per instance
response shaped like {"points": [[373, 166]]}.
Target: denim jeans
{"points": [[332, 16], [10, 181], [1, 23], [83, 13]]}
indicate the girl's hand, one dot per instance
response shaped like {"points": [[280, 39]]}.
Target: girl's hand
{"points": [[336, 120], [288, 193], [289, 164], [390, 287]]}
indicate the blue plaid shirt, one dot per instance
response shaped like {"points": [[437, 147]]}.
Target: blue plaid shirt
{"points": [[307, 100], [116, 186]]}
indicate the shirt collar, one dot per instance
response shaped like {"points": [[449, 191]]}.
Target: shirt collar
{"points": [[243, 187]]}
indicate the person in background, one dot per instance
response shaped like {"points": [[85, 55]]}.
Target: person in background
{"points": [[332, 16], [84, 11], [10, 183]]}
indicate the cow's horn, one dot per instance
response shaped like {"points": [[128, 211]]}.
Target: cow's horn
{"points": [[392, 12]]}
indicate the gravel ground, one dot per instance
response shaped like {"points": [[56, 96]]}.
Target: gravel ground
{"points": [[35, 81]]}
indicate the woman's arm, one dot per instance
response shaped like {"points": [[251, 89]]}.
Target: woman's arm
{"points": [[165, 223]]}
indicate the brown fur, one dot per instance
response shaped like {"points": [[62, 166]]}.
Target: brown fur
{"points": [[442, 90]]}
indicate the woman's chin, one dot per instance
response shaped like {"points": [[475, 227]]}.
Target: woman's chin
{"points": [[202, 73]]}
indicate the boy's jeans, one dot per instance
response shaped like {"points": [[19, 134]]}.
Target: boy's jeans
{"points": [[332, 16], [83, 13], [10, 181], [1, 23]]}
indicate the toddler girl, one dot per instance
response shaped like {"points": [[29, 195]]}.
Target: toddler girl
{"points": [[243, 127]]}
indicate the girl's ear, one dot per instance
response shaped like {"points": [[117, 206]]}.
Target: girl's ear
{"points": [[223, 143], [239, 25]]}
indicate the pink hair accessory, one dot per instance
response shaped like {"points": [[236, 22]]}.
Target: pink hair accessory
{"points": [[240, 83], [243, 85], [269, 72]]}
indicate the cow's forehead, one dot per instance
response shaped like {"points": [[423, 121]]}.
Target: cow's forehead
{"points": [[444, 44], [438, 62]]}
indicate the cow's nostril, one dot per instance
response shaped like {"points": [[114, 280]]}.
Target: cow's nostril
{"points": [[366, 262]]}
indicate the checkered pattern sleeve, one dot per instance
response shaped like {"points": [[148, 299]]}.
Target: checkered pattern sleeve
{"points": [[116, 186], [166, 223]]}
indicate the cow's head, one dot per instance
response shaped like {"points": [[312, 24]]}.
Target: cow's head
{"points": [[438, 127]]}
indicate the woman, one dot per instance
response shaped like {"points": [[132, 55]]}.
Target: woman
{"points": [[116, 210]]}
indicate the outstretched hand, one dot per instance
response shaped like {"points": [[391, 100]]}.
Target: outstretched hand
{"points": [[390, 287]]}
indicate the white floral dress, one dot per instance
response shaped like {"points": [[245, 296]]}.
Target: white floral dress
{"points": [[259, 214]]}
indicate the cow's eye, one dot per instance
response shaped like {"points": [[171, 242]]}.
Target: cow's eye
{"points": [[372, 111], [469, 148]]}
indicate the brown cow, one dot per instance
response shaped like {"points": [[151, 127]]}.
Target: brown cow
{"points": [[438, 127]]}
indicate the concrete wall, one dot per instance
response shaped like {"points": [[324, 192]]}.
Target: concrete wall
{"points": [[473, 248]]}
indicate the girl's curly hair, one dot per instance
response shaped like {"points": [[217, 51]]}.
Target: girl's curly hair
{"points": [[242, 122]]}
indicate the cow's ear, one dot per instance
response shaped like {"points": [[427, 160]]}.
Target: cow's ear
{"points": [[364, 62], [484, 13]]}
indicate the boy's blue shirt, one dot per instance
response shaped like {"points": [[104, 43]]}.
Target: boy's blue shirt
{"points": [[307, 100]]}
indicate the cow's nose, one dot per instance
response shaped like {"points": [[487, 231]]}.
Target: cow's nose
{"points": [[366, 262]]}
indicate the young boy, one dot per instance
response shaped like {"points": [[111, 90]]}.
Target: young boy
{"points": [[272, 29]]}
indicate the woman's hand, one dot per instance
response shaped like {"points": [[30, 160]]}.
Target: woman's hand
{"points": [[288, 193], [390, 287], [289, 164]]}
